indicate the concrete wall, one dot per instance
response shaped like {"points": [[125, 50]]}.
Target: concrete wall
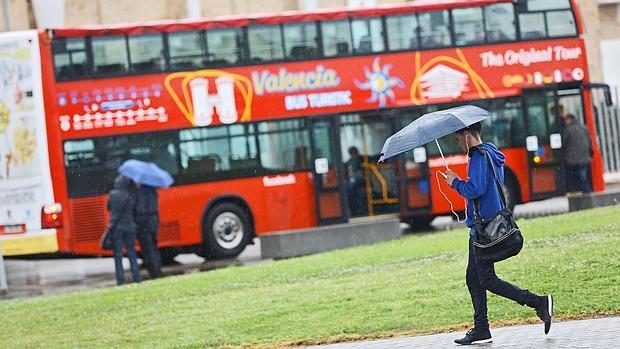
{"points": [[590, 13], [609, 23]]}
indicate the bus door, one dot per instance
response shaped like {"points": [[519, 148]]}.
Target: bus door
{"points": [[327, 171], [543, 115], [371, 189], [416, 191]]}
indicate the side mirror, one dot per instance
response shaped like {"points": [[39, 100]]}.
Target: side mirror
{"points": [[606, 92]]}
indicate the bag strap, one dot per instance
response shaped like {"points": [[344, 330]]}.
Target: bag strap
{"points": [[497, 183]]}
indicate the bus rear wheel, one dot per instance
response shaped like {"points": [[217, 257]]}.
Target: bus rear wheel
{"points": [[511, 193], [226, 231]]}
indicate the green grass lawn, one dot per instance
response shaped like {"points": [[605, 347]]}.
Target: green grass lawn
{"points": [[410, 286]]}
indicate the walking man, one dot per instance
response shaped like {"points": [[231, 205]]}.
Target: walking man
{"points": [[577, 154], [146, 212], [480, 275]]}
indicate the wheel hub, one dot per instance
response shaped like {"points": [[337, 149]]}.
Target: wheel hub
{"points": [[228, 230]]}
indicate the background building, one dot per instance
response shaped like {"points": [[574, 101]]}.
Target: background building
{"points": [[602, 18]]}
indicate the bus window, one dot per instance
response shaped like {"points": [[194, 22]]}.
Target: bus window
{"points": [[186, 50], [468, 28], [70, 59], [213, 153], [146, 53], [532, 25], [538, 19], [506, 127], [500, 22], [434, 29], [367, 35], [561, 23], [541, 5], [281, 144], [301, 40], [402, 32], [265, 43], [225, 46], [110, 55], [336, 38]]}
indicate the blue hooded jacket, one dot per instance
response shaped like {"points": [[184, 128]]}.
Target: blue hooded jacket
{"points": [[481, 183]]}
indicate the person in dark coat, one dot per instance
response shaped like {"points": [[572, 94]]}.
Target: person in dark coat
{"points": [[146, 212], [355, 173], [480, 275], [577, 154], [120, 202]]}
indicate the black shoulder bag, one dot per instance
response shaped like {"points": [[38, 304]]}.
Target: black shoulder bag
{"points": [[106, 242], [498, 237]]}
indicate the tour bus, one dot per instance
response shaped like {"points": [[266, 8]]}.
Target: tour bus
{"points": [[272, 123]]}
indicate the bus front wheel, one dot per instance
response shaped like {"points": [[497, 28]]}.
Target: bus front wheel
{"points": [[226, 231]]}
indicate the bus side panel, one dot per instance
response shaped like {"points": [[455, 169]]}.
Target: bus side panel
{"points": [[56, 160], [598, 182], [276, 203], [458, 164], [516, 161]]}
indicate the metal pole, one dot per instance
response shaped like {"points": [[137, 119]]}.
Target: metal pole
{"points": [[3, 285], [5, 11]]}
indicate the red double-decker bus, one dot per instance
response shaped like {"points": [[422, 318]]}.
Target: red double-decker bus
{"points": [[275, 122]]}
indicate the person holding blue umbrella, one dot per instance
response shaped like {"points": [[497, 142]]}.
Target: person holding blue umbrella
{"points": [[148, 176], [466, 123], [122, 226], [480, 275]]}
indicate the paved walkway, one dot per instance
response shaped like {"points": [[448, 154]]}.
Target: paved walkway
{"points": [[594, 333]]}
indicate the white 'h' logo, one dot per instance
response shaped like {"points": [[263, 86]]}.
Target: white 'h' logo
{"points": [[223, 101]]}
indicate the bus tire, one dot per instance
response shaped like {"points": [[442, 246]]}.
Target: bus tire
{"points": [[511, 192], [421, 223], [167, 255], [226, 231]]}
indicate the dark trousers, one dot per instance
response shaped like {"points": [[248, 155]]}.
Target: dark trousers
{"points": [[354, 197], [481, 277], [577, 178], [126, 239], [147, 237]]}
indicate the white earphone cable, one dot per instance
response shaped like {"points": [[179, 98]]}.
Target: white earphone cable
{"points": [[458, 219]]}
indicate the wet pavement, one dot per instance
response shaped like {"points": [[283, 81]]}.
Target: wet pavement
{"points": [[592, 333], [29, 278]]}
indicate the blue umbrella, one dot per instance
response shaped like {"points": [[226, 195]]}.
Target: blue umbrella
{"points": [[430, 127], [146, 173]]}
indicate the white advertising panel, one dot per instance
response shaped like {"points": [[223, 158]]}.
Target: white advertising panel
{"points": [[25, 181]]}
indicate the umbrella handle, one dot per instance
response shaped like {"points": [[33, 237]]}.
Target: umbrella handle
{"points": [[442, 157]]}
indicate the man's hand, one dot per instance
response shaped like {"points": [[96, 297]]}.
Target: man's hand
{"points": [[450, 176]]}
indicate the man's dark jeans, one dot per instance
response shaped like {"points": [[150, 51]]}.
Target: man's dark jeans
{"points": [[126, 239], [147, 227], [480, 278], [578, 178]]}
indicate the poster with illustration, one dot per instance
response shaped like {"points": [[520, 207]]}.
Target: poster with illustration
{"points": [[24, 170]]}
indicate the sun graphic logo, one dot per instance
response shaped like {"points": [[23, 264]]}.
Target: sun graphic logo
{"points": [[380, 83]]}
